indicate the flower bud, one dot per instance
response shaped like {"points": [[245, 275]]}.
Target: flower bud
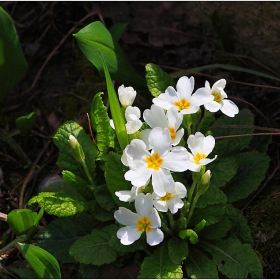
{"points": [[204, 182], [77, 150], [126, 95]]}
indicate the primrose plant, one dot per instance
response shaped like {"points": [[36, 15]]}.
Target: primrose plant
{"points": [[158, 188]]}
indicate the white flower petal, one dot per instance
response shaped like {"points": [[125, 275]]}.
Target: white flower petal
{"points": [[174, 117], [126, 217], [176, 160], [160, 205], [155, 237], [175, 204], [219, 84], [155, 117], [128, 235], [137, 150], [162, 182], [208, 145], [185, 87], [229, 108], [180, 190], [205, 161], [132, 110], [154, 218], [213, 106], [133, 126], [160, 140], [144, 136], [139, 176], [128, 196], [144, 204], [112, 123], [179, 136], [126, 95]]}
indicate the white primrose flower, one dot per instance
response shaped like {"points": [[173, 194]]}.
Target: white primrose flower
{"points": [[200, 147], [146, 219], [132, 116], [171, 201], [183, 99], [156, 117], [220, 102], [156, 164], [126, 95]]}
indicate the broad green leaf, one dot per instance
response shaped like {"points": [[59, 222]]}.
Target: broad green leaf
{"points": [[26, 123], [25, 273], [157, 80], [117, 30], [252, 169], [12, 61], [95, 248], [104, 198], [213, 195], [211, 214], [225, 146], [140, 244], [178, 250], [100, 123], [95, 37], [217, 230], [223, 169], [199, 266], [60, 234], [234, 259], [240, 228], [42, 262], [60, 203], [89, 271], [159, 266], [261, 143], [100, 213], [78, 183], [21, 220], [66, 159], [114, 175]]}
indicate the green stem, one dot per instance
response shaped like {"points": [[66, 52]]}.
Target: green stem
{"points": [[87, 172], [21, 238], [190, 192], [171, 221], [193, 207]]}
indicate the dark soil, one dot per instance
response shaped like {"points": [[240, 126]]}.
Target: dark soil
{"points": [[62, 89]]}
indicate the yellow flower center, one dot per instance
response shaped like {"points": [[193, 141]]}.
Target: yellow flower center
{"points": [[154, 161], [198, 157], [167, 197], [217, 96], [144, 224], [182, 104], [172, 132]]}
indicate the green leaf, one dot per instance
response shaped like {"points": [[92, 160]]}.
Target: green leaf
{"points": [[240, 228], [212, 214], [100, 213], [117, 30], [25, 273], [42, 262], [178, 250], [252, 169], [159, 266], [66, 159], [225, 146], [114, 175], [213, 195], [104, 198], [26, 123], [60, 203], [77, 183], [89, 271], [199, 266], [95, 248], [60, 235], [223, 169], [12, 61], [21, 220], [100, 123], [157, 80], [95, 37], [234, 259]]}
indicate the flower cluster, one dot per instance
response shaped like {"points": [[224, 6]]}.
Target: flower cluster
{"points": [[157, 152]]}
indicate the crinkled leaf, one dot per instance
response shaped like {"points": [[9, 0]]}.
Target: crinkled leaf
{"points": [[177, 249], [12, 61], [213, 195], [66, 159], [199, 266], [159, 266], [114, 175], [223, 169], [217, 230], [42, 262], [234, 259], [226, 146], [140, 244], [211, 214], [240, 228], [100, 123], [95, 248], [157, 80], [252, 169], [60, 203], [77, 183], [58, 236], [95, 37], [104, 198]]}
